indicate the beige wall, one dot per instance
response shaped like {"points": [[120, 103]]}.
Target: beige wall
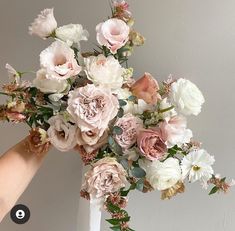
{"points": [[188, 38]]}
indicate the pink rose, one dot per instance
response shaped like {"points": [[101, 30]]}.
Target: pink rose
{"points": [[44, 25], [91, 140], [146, 88], [130, 126], [59, 61], [151, 144], [113, 33], [106, 176], [92, 107], [15, 116], [175, 132]]}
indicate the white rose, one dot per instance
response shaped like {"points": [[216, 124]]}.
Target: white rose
{"points": [[187, 98], [61, 133], [46, 85], [72, 33], [44, 25], [162, 175], [105, 71]]}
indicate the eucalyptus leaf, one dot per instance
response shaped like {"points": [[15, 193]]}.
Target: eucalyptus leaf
{"points": [[120, 113], [138, 172], [117, 130], [122, 102]]}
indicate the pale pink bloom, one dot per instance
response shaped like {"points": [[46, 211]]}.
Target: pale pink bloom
{"points": [[92, 107], [15, 116], [91, 140], [146, 88], [175, 131], [113, 33], [152, 144], [13, 74], [61, 133], [130, 126], [106, 176], [59, 61], [44, 25]]}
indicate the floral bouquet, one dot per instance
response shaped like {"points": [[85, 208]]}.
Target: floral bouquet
{"points": [[131, 133]]}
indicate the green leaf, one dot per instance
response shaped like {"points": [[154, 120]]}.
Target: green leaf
{"points": [[33, 91], [113, 221], [132, 98], [116, 228], [214, 190], [116, 148], [138, 172], [117, 130], [223, 179], [113, 208]]}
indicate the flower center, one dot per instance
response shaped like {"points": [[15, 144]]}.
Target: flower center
{"points": [[196, 168]]}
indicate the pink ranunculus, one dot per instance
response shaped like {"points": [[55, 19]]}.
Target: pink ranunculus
{"points": [[151, 144], [44, 25], [59, 61], [92, 107], [130, 126], [175, 131], [91, 140], [146, 88], [106, 176], [113, 33]]}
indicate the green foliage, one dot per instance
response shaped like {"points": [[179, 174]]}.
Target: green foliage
{"points": [[214, 190], [138, 172]]}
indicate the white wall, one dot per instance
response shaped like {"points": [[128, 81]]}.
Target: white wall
{"points": [[188, 38]]}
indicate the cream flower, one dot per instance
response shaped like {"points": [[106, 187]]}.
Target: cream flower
{"points": [[104, 71], [175, 131], [59, 61], [130, 126], [72, 33], [162, 175], [13, 74], [187, 98], [197, 164], [44, 25], [113, 33], [92, 107], [61, 133], [106, 176], [46, 85]]}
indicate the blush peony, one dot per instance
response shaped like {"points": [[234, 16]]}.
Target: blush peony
{"points": [[105, 71]]}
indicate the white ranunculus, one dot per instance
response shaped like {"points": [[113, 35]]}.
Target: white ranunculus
{"points": [[46, 85], [44, 25], [186, 96], [105, 71], [61, 133], [72, 33], [162, 175], [197, 165]]}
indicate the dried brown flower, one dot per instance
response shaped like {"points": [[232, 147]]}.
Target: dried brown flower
{"points": [[84, 194], [37, 141], [173, 191]]}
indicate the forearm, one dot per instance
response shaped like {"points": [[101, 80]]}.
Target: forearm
{"points": [[17, 167]]}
